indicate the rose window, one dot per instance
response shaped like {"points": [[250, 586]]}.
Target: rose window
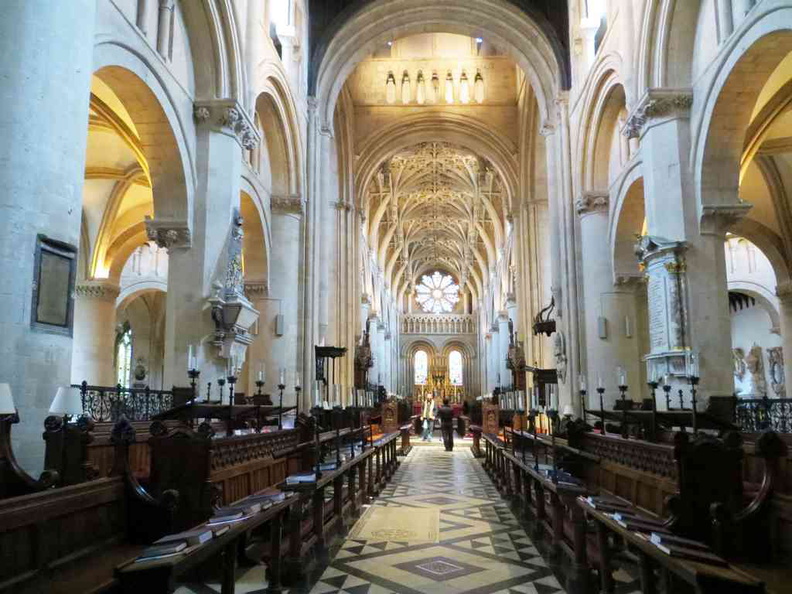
{"points": [[437, 293]]}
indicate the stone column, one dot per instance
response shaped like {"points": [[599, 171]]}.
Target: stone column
{"points": [[605, 309], [503, 348], [725, 19], [164, 28], [784, 293], [284, 297], [198, 252], [94, 333], [684, 242], [45, 46]]}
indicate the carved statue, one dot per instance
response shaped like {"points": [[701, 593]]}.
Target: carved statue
{"points": [[775, 362], [755, 366], [559, 350], [738, 360]]}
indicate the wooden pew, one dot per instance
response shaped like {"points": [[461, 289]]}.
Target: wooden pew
{"points": [[160, 576], [69, 539], [210, 472], [14, 481]]}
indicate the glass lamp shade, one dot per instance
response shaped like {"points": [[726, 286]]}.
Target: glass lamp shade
{"points": [[6, 400], [67, 401], [568, 411]]}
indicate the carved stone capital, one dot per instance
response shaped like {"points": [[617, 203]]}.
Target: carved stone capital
{"points": [[592, 202], [255, 290], [287, 204], [657, 103], [717, 219], [344, 206], [649, 248], [103, 290], [168, 234], [228, 116]]}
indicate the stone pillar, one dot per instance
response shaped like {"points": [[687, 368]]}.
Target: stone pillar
{"points": [[725, 19], [503, 349], [284, 298], [164, 28], [684, 241], [784, 293], [44, 46], [607, 313], [198, 252], [94, 333]]}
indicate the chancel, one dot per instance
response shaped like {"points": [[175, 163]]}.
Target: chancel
{"points": [[408, 296]]}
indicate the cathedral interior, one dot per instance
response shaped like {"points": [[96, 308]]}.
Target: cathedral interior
{"points": [[396, 296]]}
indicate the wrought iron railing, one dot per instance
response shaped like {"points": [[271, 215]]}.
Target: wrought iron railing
{"points": [[755, 415], [108, 404]]}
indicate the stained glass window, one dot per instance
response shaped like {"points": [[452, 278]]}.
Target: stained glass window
{"points": [[437, 293], [455, 368], [124, 356], [421, 362]]}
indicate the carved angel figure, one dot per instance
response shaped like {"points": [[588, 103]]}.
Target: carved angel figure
{"points": [[559, 350]]}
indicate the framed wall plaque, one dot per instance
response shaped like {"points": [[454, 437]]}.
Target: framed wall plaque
{"points": [[54, 272]]}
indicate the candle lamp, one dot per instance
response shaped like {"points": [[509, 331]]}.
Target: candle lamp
{"points": [[667, 390], [693, 376], [221, 381], [281, 388], [621, 375], [601, 392], [583, 386], [297, 390], [653, 384]]}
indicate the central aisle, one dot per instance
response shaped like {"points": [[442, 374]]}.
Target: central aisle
{"points": [[481, 550]]}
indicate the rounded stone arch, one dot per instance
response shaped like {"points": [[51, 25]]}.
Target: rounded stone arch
{"points": [[628, 213], [468, 359], [770, 244], [122, 247], [276, 109], [162, 129], [375, 23], [255, 245], [726, 104], [766, 300], [463, 131], [409, 349], [132, 292], [604, 103], [667, 40]]}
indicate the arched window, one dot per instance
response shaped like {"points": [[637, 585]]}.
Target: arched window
{"points": [[124, 355], [421, 363], [455, 368], [437, 293]]}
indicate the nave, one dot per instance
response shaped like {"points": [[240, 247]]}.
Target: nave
{"points": [[481, 549]]}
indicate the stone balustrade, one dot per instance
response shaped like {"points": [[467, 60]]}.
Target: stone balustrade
{"points": [[438, 324]]}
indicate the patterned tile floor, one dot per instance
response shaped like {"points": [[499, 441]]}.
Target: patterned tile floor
{"points": [[483, 549]]}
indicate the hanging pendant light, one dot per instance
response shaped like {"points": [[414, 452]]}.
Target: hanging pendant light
{"points": [[390, 89], [478, 87], [449, 88], [420, 90], [464, 89], [434, 93], [405, 89]]}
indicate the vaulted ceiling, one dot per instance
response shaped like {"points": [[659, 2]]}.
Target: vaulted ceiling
{"points": [[436, 206]]}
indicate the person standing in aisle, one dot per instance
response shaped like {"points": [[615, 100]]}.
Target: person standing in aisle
{"points": [[446, 414], [428, 418]]}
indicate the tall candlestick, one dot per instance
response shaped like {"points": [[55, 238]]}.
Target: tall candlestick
{"points": [[282, 376]]}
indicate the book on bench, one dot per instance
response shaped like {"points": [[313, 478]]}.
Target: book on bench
{"points": [[679, 541], [162, 551], [639, 524], [190, 537], [296, 479], [698, 555]]}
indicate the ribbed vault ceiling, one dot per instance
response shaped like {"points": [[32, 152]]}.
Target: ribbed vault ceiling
{"points": [[436, 206]]}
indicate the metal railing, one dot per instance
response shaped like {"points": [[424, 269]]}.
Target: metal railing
{"points": [[108, 404], [759, 414]]}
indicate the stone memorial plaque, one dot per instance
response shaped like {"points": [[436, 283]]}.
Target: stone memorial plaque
{"points": [[658, 320], [53, 286]]}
